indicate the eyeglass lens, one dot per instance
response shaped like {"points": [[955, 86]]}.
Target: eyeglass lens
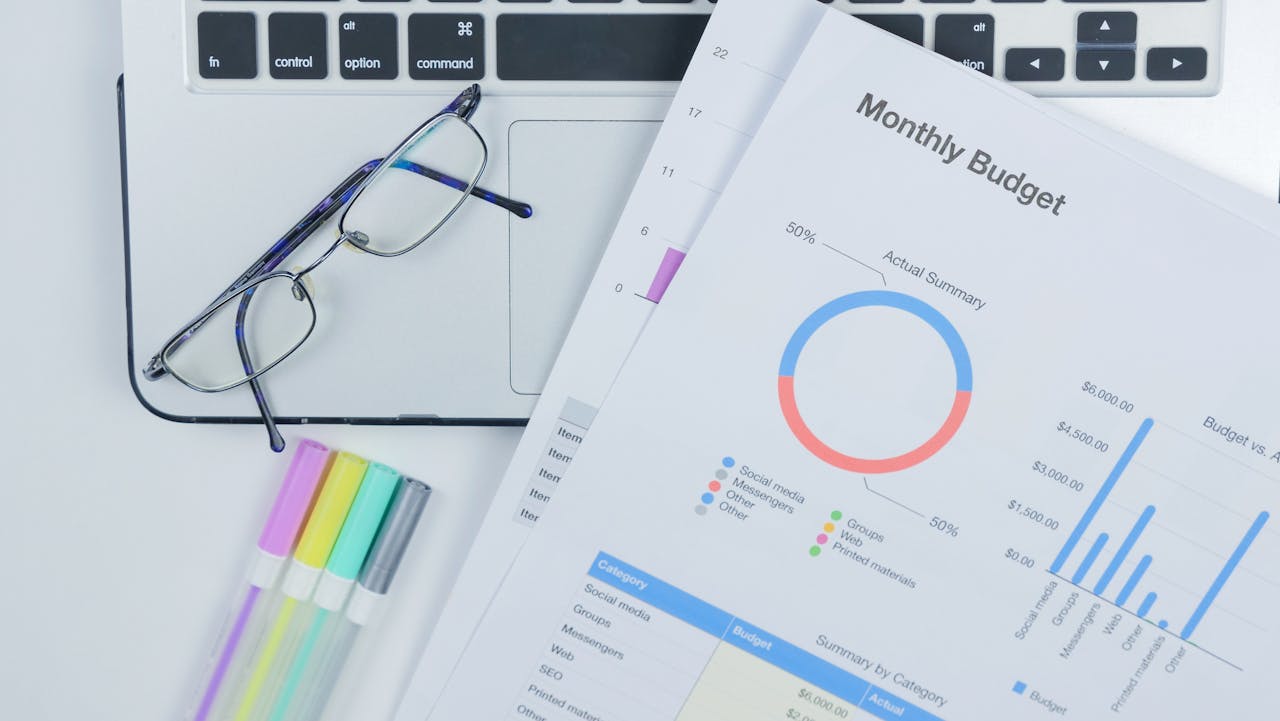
{"points": [[278, 315], [417, 189]]}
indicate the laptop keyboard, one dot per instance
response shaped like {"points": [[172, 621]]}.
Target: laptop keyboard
{"points": [[1047, 47]]}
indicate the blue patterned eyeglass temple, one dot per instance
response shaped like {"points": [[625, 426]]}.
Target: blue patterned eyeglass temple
{"points": [[345, 195]]}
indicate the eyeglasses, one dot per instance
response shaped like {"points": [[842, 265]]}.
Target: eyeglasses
{"points": [[389, 207]]}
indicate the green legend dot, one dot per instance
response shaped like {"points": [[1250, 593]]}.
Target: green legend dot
{"points": [[836, 515], [814, 551]]}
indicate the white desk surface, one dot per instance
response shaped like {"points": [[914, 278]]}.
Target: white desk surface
{"points": [[124, 535]]}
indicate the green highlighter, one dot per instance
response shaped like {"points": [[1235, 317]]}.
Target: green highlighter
{"points": [[340, 573]]}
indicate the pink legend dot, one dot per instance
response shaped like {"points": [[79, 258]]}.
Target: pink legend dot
{"points": [[822, 538], [714, 485]]}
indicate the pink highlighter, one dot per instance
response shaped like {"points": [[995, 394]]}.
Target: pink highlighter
{"points": [[245, 626]]}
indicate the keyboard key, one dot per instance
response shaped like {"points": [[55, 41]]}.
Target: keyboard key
{"points": [[968, 39], [1108, 28], [907, 27], [1105, 64], [1035, 64], [446, 47], [367, 46], [227, 45], [1177, 63], [544, 46], [297, 46]]}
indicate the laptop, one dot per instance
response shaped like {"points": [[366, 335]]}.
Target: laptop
{"points": [[240, 115]]}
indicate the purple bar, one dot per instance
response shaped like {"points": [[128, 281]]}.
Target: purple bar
{"points": [[666, 271]]}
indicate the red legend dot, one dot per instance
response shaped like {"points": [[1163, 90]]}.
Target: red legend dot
{"points": [[714, 485]]}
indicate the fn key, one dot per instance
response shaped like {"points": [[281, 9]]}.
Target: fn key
{"points": [[967, 39], [227, 45]]}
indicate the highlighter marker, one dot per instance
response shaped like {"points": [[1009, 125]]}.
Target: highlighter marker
{"points": [[244, 626], [331, 507], [380, 483], [333, 648]]}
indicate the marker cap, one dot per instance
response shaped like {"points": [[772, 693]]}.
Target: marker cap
{"points": [[294, 498], [331, 508], [362, 522], [397, 530]]}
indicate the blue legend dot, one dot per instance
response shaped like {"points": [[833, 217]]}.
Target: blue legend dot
{"points": [[1019, 687], [728, 461], [1163, 623], [707, 498]]}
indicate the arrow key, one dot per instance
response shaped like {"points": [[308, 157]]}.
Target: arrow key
{"points": [[1107, 28], [1105, 64], [1177, 63], [1034, 64]]}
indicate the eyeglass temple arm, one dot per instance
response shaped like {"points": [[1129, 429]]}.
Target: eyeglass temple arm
{"points": [[259, 396], [520, 209]]}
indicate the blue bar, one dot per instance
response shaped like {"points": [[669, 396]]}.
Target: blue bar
{"points": [[1101, 496], [1090, 557], [660, 595], [1147, 603], [795, 661], [1132, 583], [1224, 574], [1125, 547]]}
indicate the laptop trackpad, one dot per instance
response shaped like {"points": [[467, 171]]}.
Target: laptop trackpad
{"points": [[577, 176]]}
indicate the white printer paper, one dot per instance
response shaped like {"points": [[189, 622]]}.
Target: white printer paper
{"points": [[955, 414]]}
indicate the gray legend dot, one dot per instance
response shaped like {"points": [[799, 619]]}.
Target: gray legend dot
{"points": [[722, 474], [700, 510]]}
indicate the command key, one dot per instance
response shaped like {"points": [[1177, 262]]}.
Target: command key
{"points": [[446, 47]]}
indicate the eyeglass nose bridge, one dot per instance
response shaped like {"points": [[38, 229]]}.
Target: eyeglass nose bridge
{"points": [[354, 238]]}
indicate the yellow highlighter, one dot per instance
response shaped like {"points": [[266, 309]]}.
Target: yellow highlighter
{"points": [[292, 618]]}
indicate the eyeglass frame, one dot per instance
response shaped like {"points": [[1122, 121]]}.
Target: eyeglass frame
{"points": [[342, 197]]}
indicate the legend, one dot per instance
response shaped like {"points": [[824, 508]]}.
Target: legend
{"points": [[827, 529], [708, 497]]}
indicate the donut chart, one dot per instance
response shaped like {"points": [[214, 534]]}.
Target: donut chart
{"points": [[875, 299]]}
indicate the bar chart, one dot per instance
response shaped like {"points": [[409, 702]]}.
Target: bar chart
{"points": [[1119, 565]]}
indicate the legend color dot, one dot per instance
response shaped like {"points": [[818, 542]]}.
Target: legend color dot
{"points": [[827, 529]]}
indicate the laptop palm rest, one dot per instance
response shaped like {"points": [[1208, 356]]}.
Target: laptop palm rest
{"points": [[577, 175]]}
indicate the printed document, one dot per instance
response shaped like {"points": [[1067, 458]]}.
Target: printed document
{"points": [[956, 413]]}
